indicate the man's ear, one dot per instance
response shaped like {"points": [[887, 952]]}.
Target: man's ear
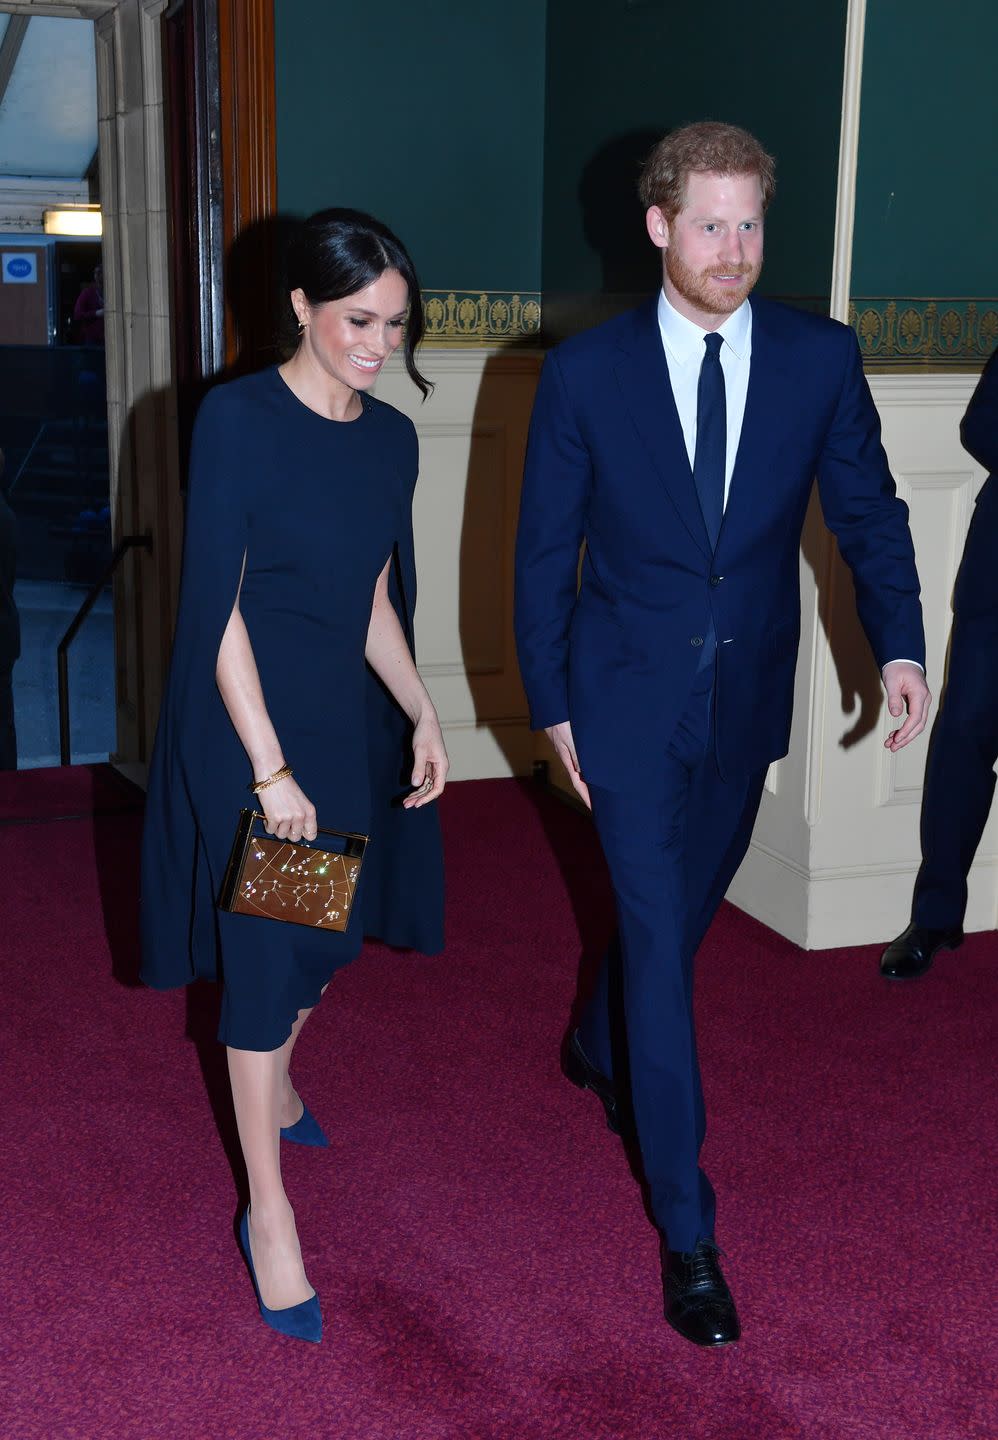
{"points": [[658, 227]]}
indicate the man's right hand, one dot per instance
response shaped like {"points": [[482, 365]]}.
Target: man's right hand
{"points": [[561, 738]]}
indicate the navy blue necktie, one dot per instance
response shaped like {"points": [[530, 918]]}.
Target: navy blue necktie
{"points": [[712, 437]]}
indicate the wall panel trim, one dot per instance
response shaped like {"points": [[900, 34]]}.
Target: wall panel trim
{"points": [[845, 202]]}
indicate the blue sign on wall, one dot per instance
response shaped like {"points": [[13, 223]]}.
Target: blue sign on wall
{"points": [[19, 269]]}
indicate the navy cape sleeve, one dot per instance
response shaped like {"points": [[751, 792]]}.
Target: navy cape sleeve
{"points": [[179, 941], [403, 881]]}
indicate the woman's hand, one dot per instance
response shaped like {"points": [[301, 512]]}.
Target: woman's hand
{"points": [[430, 763], [388, 654], [290, 815]]}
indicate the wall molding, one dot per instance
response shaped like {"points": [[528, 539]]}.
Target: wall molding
{"points": [[845, 200], [23, 200], [915, 331], [831, 906], [921, 390], [892, 331], [481, 317]]}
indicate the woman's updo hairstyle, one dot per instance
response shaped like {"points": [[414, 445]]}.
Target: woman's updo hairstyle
{"points": [[335, 253]]}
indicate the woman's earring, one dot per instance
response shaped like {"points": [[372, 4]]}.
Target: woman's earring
{"points": [[302, 326]]}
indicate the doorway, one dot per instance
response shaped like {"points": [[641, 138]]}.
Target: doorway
{"points": [[108, 379], [53, 391]]}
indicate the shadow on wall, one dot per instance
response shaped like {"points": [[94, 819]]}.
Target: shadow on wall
{"points": [[613, 222], [256, 294], [488, 534], [255, 299], [612, 219], [859, 679]]}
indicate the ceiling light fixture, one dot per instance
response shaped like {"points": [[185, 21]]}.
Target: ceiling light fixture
{"points": [[73, 220]]}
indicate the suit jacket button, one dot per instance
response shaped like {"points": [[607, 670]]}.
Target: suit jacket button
{"points": [[696, 640], [716, 579]]}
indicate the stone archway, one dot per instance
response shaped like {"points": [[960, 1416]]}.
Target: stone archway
{"points": [[142, 430]]}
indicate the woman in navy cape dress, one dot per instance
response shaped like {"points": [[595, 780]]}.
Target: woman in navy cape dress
{"points": [[293, 647]]}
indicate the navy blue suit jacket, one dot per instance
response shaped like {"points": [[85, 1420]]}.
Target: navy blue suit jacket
{"points": [[976, 590], [607, 465]]}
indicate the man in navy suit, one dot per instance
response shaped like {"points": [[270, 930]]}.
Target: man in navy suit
{"points": [[679, 443], [960, 775]]}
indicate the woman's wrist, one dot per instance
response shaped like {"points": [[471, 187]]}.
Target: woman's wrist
{"points": [[284, 773], [423, 711], [266, 763]]}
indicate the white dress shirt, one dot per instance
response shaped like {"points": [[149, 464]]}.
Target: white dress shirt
{"points": [[683, 342]]}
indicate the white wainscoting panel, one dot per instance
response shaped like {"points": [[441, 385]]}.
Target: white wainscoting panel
{"points": [[472, 437], [836, 847]]}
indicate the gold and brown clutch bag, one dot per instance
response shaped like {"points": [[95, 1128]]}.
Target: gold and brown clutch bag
{"points": [[301, 882]]}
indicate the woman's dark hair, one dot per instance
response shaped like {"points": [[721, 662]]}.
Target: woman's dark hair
{"points": [[335, 253]]}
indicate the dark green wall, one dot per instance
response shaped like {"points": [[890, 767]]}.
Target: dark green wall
{"points": [[620, 73], [502, 140], [926, 195], [429, 115]]}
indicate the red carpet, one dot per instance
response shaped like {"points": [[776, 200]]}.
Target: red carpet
{"points": [[35, 795], [480, 1247]]}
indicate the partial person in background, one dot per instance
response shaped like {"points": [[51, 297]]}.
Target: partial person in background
{"points": [[88, 312], [960, 774], [293, 648], [10, 628]]}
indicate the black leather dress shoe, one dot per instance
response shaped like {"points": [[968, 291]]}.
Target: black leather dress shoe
{"points": [[578, 1069], [698, 1303], [910, 955]]}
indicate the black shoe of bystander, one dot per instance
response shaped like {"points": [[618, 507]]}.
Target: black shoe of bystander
{"points": [[911, 954]]}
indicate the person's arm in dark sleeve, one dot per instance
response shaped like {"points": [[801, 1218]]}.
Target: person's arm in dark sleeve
{"points": [[553, 505], [860, 504], [979, 431]]}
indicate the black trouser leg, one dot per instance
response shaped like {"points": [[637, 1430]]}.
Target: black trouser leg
{"points": [[959, 777]]}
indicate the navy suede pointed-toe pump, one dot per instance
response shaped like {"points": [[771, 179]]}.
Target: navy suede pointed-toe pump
{"points": [[303, 1321], [306, 1130]]}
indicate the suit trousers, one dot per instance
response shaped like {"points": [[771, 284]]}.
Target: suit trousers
{"points": [[959, 776], [672, 852]]}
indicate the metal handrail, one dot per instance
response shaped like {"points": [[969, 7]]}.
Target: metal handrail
{"points": [[128, 542]]}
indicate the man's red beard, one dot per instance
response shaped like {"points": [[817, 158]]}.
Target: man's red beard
{"points": [[695, 287]]}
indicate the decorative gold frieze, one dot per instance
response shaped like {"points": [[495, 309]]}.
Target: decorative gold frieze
{"points": [[936, 333], [481, 317]]}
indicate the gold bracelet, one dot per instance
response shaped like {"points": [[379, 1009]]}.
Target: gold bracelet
{"points": [[283, 774]]}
